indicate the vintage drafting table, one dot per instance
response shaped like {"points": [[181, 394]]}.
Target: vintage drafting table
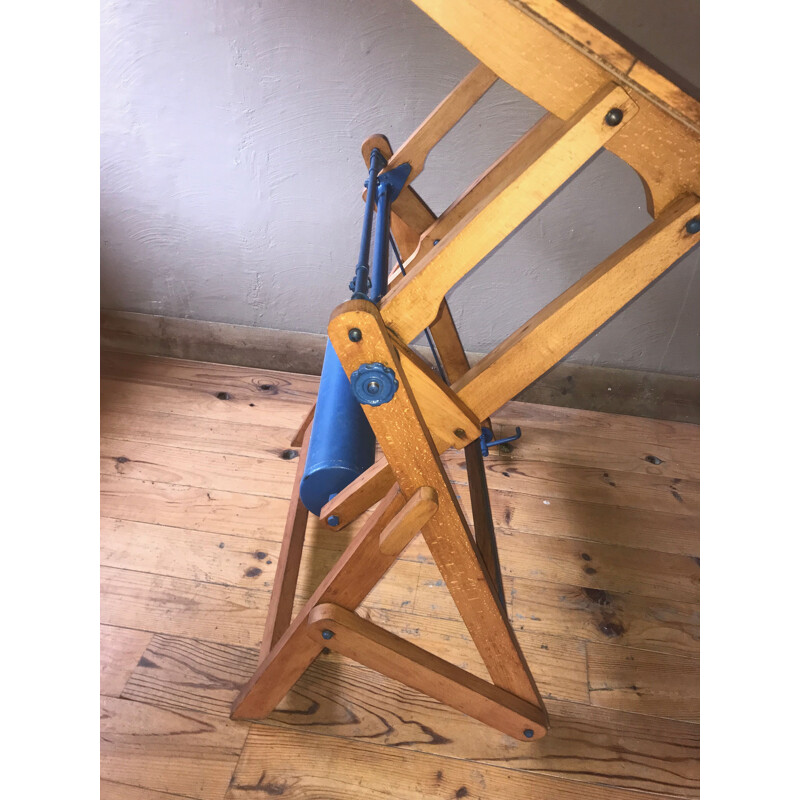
{"points": [[597, 95]]}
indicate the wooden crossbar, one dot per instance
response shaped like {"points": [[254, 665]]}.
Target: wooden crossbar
{"points": [[597, 99]]}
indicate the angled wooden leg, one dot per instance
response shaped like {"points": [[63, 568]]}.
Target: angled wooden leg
{"points": [[378, 649], [297, 439], [413, 301], [415, 461], [485, 539], [352, 578], [575, 314], [284, 586]]}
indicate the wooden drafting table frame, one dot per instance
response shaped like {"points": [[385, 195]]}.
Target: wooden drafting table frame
{"points": [[596, 95]]}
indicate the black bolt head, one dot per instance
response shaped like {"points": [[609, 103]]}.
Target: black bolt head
{"points": [[614, 117], [326, 634], [528, 733], [354, 334], [693, 225], [461, 433], [333, 520]]}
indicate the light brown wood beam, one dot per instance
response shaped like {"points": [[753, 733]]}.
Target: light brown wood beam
{"points": [[563, 324], [412, 454], [378, 649], [518, 42], [351, 579], [414, 302], [415, 149], [284, 586]]}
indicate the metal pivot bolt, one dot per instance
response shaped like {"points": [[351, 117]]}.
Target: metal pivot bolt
{"points": [[693, 225], [614, 117], [326, 634], [354, 335], [374, 384], [333, 520], [527, 732]]}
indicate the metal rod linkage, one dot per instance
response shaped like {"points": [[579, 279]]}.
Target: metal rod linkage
{"points": [[360, 283]]}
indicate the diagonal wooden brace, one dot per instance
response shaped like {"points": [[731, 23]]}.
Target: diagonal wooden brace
{"points": [[551, 334], [378, 649], [413, 456]]}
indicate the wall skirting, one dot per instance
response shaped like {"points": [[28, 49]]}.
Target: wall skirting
{"points": [[618, 391]]}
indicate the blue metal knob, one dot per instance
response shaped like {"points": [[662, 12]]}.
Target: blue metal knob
{"points": [[374, 384]]}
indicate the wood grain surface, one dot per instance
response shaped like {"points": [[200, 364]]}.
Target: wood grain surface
{"points": [[601, 581]]}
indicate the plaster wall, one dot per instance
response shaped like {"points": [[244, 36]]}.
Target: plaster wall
{"points": [[231, 174]]}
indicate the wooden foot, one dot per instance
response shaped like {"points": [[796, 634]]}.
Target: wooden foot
{"points": [[352, 636]]}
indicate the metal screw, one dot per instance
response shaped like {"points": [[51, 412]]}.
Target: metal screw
{"points": [[333, 520], [326, 634], [373, 387], [354, 335], [693, 225], [461, 433], [614, 117], [527, 732]]}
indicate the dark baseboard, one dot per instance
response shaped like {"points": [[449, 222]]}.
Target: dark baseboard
{"points": [[617, 391]]}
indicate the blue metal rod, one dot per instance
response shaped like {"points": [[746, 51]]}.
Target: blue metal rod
{"points": [[380, 252], [360, 283]]}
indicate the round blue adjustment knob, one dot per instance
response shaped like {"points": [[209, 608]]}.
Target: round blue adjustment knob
{"points": [[373, 384]]}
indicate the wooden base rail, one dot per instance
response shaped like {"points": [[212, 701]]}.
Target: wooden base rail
{"points": [[593, 103]]}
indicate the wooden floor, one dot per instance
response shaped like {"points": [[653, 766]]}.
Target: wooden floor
{"points": [[597, 521]]}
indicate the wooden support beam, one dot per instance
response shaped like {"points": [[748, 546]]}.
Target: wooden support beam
{"points": [[415, 149], [284, 586], [297, 439], [410, 450], [351, 579], [366, 490], [378, 649], [450, 422], [564, 323], [414, 301], [409, 521], [517, 41], [505, 169]]}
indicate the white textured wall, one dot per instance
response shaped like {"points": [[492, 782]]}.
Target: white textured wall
{"points": [[231, 174]]}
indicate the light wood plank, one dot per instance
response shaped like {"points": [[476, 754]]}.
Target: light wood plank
{"points": [[565, 322], [390, 655], [662, 144], [421, 506], [600, 616], [645, 682], [414, 302], [111, 790], [120, 649], [341, 698], [153, 748], [415, 149], [631, 759]]}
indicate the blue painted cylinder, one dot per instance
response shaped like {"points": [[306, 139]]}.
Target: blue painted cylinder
{"points": [[342, 444]]}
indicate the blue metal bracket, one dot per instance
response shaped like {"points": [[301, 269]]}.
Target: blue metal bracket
{"points": [[374, 384], [487, 441], [396, 179]]}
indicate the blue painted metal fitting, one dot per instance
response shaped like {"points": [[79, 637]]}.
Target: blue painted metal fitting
{"points": [[326, 634], [342, 444], [333, 520], [528, 733], [374, 384], [487, 441]]}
